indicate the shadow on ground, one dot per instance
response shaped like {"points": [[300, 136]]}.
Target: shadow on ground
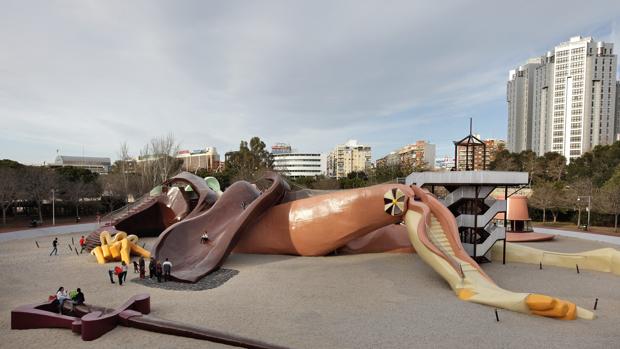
{"points": [[210, 281]]}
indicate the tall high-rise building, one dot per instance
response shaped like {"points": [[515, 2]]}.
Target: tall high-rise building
{"points": [[347, 158], [564, 101], [617, 123]]}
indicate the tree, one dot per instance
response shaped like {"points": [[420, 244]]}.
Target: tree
{"points": [[607, 199], [9, 189], [158, 162], [505, 161], [248, 161], [548, 196], [598, 164], [76, 184], [37, 184]]}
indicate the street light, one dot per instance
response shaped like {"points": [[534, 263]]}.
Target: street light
{"points": [[579, 200], [53, 207]]}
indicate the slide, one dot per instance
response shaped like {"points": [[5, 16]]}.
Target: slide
{"points": [[199, 245], [434, 235]]}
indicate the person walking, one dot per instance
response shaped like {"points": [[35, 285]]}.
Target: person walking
{"points": [[82, 244], [54, 247], [141, 266], [124, 272], [167, 268], [158, 271], [119, 273], [111, 273]]}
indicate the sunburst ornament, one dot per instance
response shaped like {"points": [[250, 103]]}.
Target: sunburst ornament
{"points": [[394, 202]]}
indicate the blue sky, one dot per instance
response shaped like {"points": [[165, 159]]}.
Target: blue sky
{"points": [[87, 75]]}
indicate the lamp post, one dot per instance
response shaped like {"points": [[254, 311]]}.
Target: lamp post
{"points": [[53, 207], [579, 200]]}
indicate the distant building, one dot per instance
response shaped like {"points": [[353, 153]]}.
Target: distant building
{"points": [[281, 148], [419, 154], [347, 158], [94, 164], [207, 159], [564, 101], [617, 123], [300, 164], [445, 163], [480, 156]]}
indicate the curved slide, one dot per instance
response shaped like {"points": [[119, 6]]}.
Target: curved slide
{"points": [[240, 206], [430, 223]]}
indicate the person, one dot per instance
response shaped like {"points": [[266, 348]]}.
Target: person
{"points": [[158, 270], [111, 273], [77, 298], [135, 267], [54, 247], [204, 238], [98, 217], [82, 244], [141, 264], [61, 297], [119, 273], [124, 272], [151, 268], [167, 268]]}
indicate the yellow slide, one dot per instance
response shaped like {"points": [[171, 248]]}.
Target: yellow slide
{"points": [[434, 235]]}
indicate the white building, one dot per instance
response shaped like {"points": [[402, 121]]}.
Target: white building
{"points": [[347, 158], [564, 101], [193, 160], [99, 165], [300, 164]]}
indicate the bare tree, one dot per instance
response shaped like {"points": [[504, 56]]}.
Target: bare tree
{"points": [[158, 161], [607, 199], [9, 189], [548, 196], [37, 185]]}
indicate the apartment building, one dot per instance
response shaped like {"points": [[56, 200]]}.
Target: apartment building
{"points": [[564, 101], [420, 154], [347, 158]]}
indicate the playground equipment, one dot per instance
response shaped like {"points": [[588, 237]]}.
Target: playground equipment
{"points": [[387, 217], [92, 322], [119, 247]]}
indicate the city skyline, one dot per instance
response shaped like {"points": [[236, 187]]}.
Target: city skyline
{"points": [[83, 78]]}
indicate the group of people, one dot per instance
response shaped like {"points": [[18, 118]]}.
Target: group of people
{"points": [[74, 297], [156, 269]]}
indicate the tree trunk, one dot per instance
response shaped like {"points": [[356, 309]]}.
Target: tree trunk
{"points": [[616, 223], [40, 213], [555, 216], [544, 215], [4, 214]]}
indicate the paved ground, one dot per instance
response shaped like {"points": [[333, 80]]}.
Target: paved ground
{"points": [[580, 235], [359, 301], [47, 231]]}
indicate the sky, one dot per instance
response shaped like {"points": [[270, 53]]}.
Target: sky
{"points": [[81, 77]]}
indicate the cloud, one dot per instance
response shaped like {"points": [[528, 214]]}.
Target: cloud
{"points": [[311, 73]]}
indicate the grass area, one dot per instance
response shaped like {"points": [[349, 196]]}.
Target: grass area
{"points": [[572, 226]]}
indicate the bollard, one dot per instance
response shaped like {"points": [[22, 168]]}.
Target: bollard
{"points": [[496, 315], [76, 252], [595, 303], [540, 266], [70, 248], [36, 242], [72, 241], [577, 266]]}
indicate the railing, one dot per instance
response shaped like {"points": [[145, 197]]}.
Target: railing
{"points": [[113, 217]]}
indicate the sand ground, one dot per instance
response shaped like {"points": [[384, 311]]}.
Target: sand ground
{"points": [[362, 301]]}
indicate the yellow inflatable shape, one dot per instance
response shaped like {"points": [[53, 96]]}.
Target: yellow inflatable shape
{"points": [[604, 259], [119, 247], [475, 287]]}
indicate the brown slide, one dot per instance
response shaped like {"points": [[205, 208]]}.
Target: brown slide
{"points": [[238, 208]]}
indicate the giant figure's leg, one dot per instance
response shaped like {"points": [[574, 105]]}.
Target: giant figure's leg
{"points": [[319, 225]]}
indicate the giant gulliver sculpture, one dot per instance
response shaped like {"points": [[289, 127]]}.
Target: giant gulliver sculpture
{"points": [[387, 217]]}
